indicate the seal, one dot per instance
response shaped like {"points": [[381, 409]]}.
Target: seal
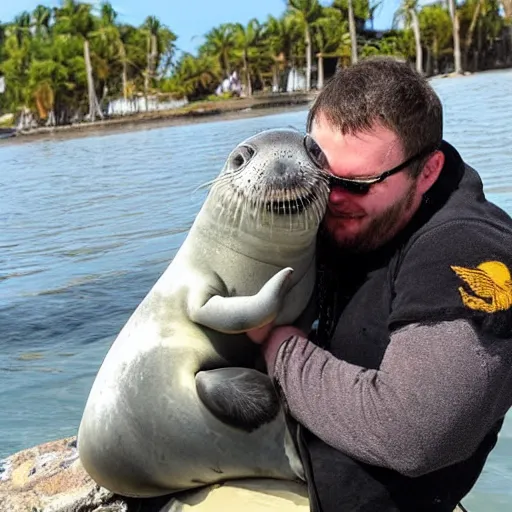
{"points": [[179, 400]]}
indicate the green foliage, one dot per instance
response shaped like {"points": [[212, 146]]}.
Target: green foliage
{"points": [[43, 61], [391, 45], [42, 58]]}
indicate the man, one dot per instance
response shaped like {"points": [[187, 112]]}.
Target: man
{"points": [[403, 388]]}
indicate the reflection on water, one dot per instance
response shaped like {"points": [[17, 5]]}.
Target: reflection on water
{"points": [[87, 225]]}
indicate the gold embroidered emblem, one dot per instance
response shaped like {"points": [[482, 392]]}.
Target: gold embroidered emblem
{"points": [[491, 284]]}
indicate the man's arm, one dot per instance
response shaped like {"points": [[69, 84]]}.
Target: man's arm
{"points": [[438, 391]]}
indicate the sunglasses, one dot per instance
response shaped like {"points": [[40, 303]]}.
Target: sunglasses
{"points": [[363, 185]]}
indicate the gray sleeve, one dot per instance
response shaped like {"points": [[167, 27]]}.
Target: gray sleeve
{"points": [[439, 390]]}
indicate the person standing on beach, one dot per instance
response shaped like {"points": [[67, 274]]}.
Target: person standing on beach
{"points": [[403, 386]]}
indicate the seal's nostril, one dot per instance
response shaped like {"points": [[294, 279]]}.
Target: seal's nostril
{"points": [[280, 168]]}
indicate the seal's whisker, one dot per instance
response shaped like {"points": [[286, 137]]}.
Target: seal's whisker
{"points": [[223, 189], [239, 202], [226, 177], [261, 205], [306, 217], [316, 208], [245, 212], [262, 201], [288, 207], [268, 206]]}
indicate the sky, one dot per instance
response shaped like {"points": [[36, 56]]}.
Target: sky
{"points": [[191, 19]]}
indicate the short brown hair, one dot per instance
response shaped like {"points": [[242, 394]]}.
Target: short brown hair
{"points": [[386, 91]]}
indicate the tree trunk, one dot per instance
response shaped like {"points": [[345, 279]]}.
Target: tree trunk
{"points": [[226, 63], [94, 107], [507, 35], [435, 51], [308, 59], [125, 71], [275, 78], [154, 55], [247, 75], [51, 119], [456, 37], [146, 74], [352, 30], [320, 82], [471, 30], [428, 66], [507, 38], [417, 39], [151, 65], [479, 46]]}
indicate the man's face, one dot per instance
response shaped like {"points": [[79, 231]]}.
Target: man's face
{"points": [[365, 222]]}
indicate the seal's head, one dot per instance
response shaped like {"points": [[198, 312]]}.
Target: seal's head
{"points": [[272, 179]]}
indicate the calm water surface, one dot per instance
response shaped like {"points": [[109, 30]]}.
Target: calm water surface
{"points": [[87, 226]]}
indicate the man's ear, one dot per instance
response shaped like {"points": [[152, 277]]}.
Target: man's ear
{"points": [[430, 171]]}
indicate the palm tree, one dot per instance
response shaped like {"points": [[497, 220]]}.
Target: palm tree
{"points": [[75, 19], [195, 76], [477, 10], [46, 79], [248, 40], [456, 36], [435, 26], [41, 17], [407, 13], [329, 33], [220, 43], [159, 42], [21, 27], [113, 46], [307, 11], [281, 37], [151, 27], [352, 30], [350, 9], [16, 54]]}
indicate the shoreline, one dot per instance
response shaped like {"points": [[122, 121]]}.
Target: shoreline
{"points": [[197, 112]]}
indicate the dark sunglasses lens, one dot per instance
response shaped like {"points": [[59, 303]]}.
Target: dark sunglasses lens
{"points": [[315, 152], [353, 187]]}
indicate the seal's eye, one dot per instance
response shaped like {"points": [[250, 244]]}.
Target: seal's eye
{"points": [[241, 156], [315, 152]]}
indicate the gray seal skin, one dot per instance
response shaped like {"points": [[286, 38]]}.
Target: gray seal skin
{"points": [[178, 402]]}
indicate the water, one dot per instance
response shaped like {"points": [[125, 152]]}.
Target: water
{"points": [[88, 224]]}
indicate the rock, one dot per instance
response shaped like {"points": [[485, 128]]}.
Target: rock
{"points": [[50, 478]]}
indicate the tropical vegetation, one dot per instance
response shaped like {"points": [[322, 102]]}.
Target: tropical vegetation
{"points": [[67, 63]]}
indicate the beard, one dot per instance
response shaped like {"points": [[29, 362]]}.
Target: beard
{"points": [[380, 229]]}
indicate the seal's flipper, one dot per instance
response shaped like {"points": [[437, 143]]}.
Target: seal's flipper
{"points": [[239, 314], [240, 397]]}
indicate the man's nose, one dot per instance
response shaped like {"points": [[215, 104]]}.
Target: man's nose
{"points": [[339, 195]]}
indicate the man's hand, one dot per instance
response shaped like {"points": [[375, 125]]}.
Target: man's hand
{"points": [[268, 333], [271, 338], [260, 334]]}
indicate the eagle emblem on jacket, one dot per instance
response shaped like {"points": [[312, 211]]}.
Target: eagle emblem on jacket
{"points": [[489, 287]]}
